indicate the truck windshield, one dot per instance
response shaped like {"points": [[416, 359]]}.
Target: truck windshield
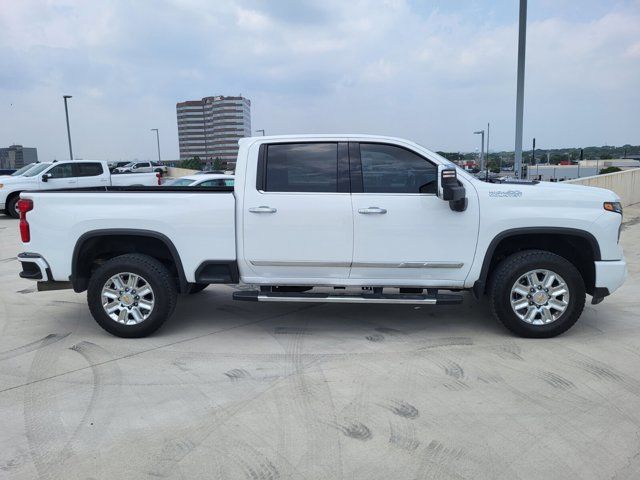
{"points": [[23, 169], [36, 170]]}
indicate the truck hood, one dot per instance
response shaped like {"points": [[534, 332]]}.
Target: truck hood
{"points": [[10, 181], [551, 191]]}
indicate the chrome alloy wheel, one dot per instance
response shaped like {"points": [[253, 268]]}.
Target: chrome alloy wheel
{"points": [[127, 298], [539, 297]]}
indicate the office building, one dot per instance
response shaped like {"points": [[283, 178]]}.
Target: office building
{"points": [[17, 156], [210, 128]]}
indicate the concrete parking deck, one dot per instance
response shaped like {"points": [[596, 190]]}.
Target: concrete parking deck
{"points": [[264, 391]]}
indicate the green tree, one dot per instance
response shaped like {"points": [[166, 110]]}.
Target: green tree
{"points": [[217, 164], [606, 156], [192, 163], [610, 170]]}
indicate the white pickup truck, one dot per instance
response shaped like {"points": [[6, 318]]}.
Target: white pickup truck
{"points": [[67, 174], [330, 218]]}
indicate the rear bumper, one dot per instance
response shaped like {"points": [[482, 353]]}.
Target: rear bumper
{"points": [[610, 275], [34, 267]]}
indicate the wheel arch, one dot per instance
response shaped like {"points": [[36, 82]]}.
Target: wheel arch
{"points": [[577, 246], [108, 243]]}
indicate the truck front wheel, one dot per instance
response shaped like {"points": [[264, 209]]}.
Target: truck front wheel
{"points": [[537, 294], [131, 295]]}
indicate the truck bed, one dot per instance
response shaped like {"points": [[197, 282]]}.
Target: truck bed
{"points": [[199, 222]]}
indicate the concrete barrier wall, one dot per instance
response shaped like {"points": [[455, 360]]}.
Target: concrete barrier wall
{"points": [[626, 184], [175, 172]]}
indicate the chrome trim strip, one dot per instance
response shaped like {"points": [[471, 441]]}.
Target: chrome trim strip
{"points": [[347, 299], [270, 263], [408, 265]]}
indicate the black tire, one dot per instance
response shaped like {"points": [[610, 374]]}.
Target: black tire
{"points": [[516, 265], [197, 288], [157, 276], [11, 206]]}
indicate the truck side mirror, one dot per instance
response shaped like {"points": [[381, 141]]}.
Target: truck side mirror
{"points": [[451, 190], [46, 177]]}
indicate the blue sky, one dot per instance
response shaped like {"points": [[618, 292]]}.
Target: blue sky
{"points": [[431, 71]]}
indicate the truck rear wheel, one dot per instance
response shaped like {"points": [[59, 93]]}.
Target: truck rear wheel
{"points": [[131, 295], [12, 206], [537, 294]]}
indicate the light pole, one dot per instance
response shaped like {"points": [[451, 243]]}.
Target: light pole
{"points": [[261, 130], [486, 178], [158, 141], [481, 132], [522, 39], [66, 111]]}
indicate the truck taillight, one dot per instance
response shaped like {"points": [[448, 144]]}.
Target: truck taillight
{"points": [[159, 177], [25, 205]]}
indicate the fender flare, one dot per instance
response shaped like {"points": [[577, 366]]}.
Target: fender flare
{"points": [[480, 284], [79, 283]]}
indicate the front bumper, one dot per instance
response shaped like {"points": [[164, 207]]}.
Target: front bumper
{"points": [[610, 275], [34, 267]]}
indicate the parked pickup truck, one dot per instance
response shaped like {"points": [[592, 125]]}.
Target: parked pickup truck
{"points": [[68, 174], [330, 218]]}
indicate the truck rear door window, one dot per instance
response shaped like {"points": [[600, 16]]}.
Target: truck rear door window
{"points": [[85, 169], [302, 167], [393, 169]]}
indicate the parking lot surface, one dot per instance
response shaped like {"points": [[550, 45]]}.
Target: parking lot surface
{"points": [[265, 391]]}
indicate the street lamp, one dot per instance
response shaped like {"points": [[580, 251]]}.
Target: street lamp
{"points": [[66, 111], [157, 140], [522, 39], [261, 130], [481, 132]]}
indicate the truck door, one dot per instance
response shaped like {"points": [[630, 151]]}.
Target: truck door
{"points": [[59, 176], [297, 216], [403, 233], [91, 174]]}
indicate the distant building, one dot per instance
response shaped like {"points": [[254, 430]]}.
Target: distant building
{"points": [[622, 163], [17, 156], [211, 127], [559, 173]]}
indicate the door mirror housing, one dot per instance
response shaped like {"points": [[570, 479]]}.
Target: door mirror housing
{"points": [[46, 177], [450, 189]]}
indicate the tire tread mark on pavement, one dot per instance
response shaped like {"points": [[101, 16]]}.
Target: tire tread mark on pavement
{"points": [[147, 350], [30, 347], [102, 405], [43, 425], [178, 447]]}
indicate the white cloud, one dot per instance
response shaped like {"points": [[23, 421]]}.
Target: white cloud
{"points": [[366, 66]]}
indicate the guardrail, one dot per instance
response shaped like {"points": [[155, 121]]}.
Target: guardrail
{"points": [[626, 184]]}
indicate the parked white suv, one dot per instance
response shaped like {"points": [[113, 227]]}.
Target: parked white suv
{"points": [[374, 219]]}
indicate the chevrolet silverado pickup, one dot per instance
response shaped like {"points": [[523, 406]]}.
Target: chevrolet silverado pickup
{"points": [[67, 174], [330, 218]]}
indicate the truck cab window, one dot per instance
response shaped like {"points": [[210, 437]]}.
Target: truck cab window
{"points": [[62, 171], [302, 167], [393, 169]]}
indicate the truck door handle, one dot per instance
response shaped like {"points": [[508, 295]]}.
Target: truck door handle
{"points": [[262, 209], [372, 210]]}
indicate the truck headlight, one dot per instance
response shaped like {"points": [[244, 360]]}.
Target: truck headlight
{"points": [[615, 207]]}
